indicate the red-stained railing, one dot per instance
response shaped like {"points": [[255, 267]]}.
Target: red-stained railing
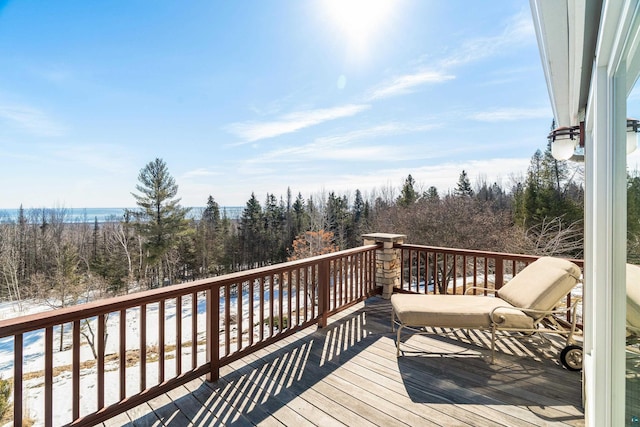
{"points": [[167, 337], [434, 270], [150, 342]]}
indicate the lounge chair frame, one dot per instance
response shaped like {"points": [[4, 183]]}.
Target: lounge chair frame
{"points": [[548, 323], [530, 303]]}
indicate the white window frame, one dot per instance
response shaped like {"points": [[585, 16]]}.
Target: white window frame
{"points": [[615, 71]]}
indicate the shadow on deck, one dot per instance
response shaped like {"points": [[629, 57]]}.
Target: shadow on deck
{"points": [[348, 374]]}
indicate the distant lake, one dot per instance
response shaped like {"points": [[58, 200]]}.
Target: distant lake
{"points": [[81, 215]]}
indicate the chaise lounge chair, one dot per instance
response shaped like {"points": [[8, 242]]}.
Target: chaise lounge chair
{"points": [[633, 303], [525, 304]]}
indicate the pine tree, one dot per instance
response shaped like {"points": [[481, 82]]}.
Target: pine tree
{"points": [[300, 216], [160, 218], [431, 194], [250, 229], [408, 194], [211, 214], [463, 188], [338, 218]]}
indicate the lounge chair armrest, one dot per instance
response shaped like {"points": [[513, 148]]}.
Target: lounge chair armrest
{"points": [[497, 318], [480, 288]]}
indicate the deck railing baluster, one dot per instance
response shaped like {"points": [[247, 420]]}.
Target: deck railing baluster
{"points": [[239, 307], [48, 376], [252, 288], [122, 356], [352, 271], [143, 347], [17, 379], [261, 316], [464, 274], [213, 332], [271, 301], [298, 307], [499, 272], [305, 292], [486, 273], [455, 272], [161, 339], [75, 371], [324, 292], [178, 335], [331, 303], [280, 302], [288, 279], [194, 330], [227, 319], [101, 353]]}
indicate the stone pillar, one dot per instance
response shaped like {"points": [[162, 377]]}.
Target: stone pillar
{"points": [[388, 266]]}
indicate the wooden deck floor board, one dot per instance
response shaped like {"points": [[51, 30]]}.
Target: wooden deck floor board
{"points": [[383, 394], [515, 393], [301, 402], [348, 374], [168, 412], [217, 403], [337, 411]]}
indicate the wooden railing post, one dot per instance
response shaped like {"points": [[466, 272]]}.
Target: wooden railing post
{"points": [[388, 260], [213, 333], [499, 273], [324, 292]]}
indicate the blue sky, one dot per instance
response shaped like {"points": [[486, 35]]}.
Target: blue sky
{"points": [[257, 96]]}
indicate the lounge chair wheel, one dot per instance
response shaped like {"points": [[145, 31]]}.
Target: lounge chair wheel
{"points": [[571, 357]]}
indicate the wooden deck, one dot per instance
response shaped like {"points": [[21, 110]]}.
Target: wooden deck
{"points": [[348, 374]]}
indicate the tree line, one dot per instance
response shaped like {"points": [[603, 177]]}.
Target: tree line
{"points": [[44, 256]]}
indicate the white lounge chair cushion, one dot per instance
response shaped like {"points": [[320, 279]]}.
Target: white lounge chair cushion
{"points": [[633, 296], [541, 284], [455, 311]]}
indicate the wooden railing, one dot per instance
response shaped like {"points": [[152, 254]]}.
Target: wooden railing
{"points": [[181, 332], [434, 270]]}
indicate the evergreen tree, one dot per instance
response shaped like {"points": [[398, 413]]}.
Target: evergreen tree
{"points": [[546, 193], [300, 216], [408, 194], [160, 217], [206, 242], [211, 214], [337, 216], [275, 232], [251, 225], [431, 194], [360, 220], [463, 188]]}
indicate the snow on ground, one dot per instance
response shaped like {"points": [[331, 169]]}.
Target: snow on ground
{"points": [[33, 349]]}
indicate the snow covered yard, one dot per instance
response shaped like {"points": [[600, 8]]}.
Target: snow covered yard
{"points": [[34, 347]]}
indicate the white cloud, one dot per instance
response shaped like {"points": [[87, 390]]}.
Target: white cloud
{"points": [[311, 179], [255, 131], [512, 114], [337, 147], [31, 120], [518, 30], [408, 83], [442, 176], [375, 131]]}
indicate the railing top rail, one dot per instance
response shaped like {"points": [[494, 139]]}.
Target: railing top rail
{"points": [[472, 252], [32, 322]]}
